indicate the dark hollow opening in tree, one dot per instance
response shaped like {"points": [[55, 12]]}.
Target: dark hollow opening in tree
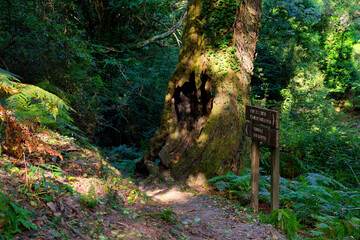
{"points": [[202, 124], [191, 103]]}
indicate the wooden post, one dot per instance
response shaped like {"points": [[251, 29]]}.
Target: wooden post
{"points": [[275, 172], [262, 125], [275, 178], [255, 156]]}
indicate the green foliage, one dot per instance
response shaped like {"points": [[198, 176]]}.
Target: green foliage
{"points": [[335, 229], [298, 34], [81, 51], [124, 158], [318, 199], [39, 187], [40, 39], [133, 100], [312, 133], [12, 217], [287, 40], [218, 17], [285, 220], [339, 64], [32, 103], [314, 198], [168, 215], [356, 96], [237, 186], [90, 200]]}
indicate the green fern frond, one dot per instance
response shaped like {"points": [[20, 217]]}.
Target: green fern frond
{"points": [[32, 103], [232, 182], [221, 185], [12, 216], [335, 229], [321, 180], [286, 221], [29, 95], [228, 176], [8, 77]]}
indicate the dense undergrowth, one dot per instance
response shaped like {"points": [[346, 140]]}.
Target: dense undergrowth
{"points": [[320, 168]]}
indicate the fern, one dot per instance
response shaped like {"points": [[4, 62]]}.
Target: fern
{"points": [[315, 198], [285, 220], [124, 158], [31, 102], [7, 83], [12, 216], [335, 229], [322, 180], [35, 104], [237, 185], [25, 108]]}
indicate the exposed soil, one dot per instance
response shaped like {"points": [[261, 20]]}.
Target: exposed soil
{"points": [[205, 216], [86, 198]]}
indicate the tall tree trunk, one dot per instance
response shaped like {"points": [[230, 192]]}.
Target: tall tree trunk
{"points": [[202, 123]]}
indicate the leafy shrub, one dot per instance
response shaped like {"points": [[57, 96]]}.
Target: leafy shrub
{"points": [[235, 186], [32, 103], [355, 96], [89, 200], [338, 229], [124, 158], [288, 37], [314, 198], [168, 215], [131, 106], [25, 110], [317, 137], [285, 220], [12, 217]]}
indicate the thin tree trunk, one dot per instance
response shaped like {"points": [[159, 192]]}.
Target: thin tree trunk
{"points": [[202, 124]]}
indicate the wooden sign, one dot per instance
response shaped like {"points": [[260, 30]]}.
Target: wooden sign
{"points": [[262, 116], [262, 134], [262, 125]]}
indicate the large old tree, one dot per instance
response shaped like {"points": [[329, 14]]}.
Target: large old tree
{"points": [[202, 123]]}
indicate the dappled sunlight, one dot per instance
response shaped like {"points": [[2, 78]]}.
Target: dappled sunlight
{"points": [[168, 196], [195, 184]]}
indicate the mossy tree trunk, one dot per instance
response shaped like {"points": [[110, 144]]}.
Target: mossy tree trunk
{"points": [[202, 123]]}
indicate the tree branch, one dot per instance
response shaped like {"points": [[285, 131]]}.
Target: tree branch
{"points": [[164, 35]]}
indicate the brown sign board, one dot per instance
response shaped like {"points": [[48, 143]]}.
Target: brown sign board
{"points": [[262, 116], [262, 134]]}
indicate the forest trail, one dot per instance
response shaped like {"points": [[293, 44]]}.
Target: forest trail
{"points": [[84, 197], [207, 216]]}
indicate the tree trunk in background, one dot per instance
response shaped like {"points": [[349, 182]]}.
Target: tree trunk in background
{"points": [[202, 123]]}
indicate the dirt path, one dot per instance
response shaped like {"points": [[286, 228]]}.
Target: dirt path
{"points": [[210, 217], [86, 198]]}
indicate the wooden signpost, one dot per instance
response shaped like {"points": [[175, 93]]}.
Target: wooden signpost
{"points": [[262, 125]]}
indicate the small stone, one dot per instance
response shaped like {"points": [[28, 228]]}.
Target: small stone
{"points": [[52, 206]]}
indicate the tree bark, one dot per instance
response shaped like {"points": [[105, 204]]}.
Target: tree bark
{"points": [[202, 123]]}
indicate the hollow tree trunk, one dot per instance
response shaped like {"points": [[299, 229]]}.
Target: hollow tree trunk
{"points": [[202, 123]]}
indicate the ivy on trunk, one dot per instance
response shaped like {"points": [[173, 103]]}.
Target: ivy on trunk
{"points": [[202, 123]]}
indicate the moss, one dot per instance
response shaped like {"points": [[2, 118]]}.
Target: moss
{"points": [[212, 147]]}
